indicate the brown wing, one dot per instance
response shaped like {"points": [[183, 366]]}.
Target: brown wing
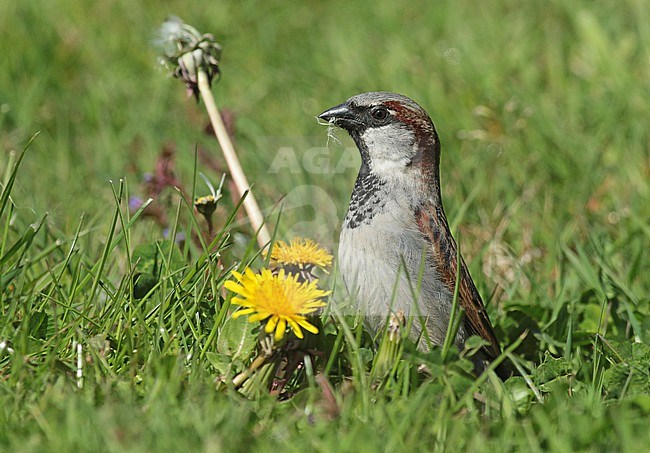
{"points": [[433, 224]]}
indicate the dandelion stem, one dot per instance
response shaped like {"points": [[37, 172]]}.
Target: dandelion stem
{"points": [[241, 377], [250, 205]]}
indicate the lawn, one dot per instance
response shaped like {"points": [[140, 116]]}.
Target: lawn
{"points": [[114, 337]]}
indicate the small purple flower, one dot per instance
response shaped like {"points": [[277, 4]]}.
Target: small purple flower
{"points": [[180, 236], [134, 203]]}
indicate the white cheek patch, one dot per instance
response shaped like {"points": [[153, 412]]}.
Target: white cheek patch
{"points": [[389, 147]]}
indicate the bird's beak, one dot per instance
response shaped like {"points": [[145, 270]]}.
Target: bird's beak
{"points": [[341, 116]]}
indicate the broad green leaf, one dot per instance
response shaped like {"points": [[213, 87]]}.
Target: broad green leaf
{"points": [[237, 338]]}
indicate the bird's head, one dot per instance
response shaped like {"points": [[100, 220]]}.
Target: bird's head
{"points": [[392, 132]]}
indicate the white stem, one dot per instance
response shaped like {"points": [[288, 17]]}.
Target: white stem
{"points": [[250, 205]]}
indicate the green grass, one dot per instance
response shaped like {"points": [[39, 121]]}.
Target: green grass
{"points": [[542, 111]]}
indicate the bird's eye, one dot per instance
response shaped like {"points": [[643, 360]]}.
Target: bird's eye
{"points": [[379, 113]]}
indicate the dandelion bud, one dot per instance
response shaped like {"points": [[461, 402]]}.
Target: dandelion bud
{"points": [[206, 207]]}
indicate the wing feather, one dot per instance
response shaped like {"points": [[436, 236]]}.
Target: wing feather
{"points": [[433, 225]]}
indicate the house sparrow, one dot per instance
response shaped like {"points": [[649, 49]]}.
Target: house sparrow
{"points": [[395, 233]]}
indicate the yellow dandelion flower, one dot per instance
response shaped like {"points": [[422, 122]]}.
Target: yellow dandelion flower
{"points": [[301, 252], [280, 298]]}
